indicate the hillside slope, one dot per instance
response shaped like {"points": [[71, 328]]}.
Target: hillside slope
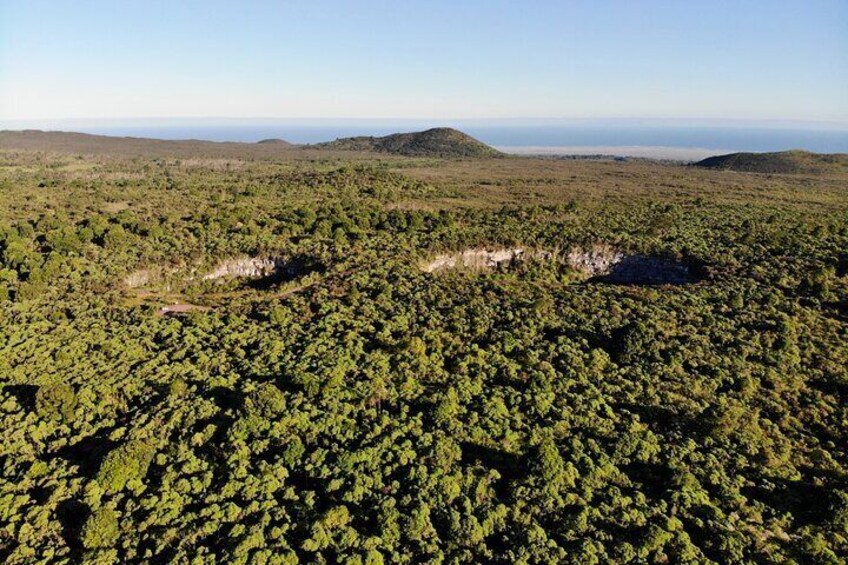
{"points": [[436, 142], [274, 141], [73, 142], [783, 162]]}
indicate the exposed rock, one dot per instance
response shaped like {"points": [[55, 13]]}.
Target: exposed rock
{"points": [[139, 278], [263, 272], [247, 267], [152, 275], [603, 263], [181, 309], [474, 259], [596, 261]]}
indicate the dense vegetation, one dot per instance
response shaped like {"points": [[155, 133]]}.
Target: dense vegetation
{"points": [[782, 162], [435, 142], [358, 410]]}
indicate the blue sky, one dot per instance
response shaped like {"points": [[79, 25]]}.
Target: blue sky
{"points": [[742, 59]]}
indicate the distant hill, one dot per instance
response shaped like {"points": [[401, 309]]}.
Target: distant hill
{"points": [[436, 142], [72, 142], [783, 162]]}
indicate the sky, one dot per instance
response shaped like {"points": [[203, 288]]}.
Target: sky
{"points": [[449, 59]]}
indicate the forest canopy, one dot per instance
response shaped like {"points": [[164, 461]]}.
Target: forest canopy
{"points": [[239, 358]]}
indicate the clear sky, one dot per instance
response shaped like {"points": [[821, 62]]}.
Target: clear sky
{"points": [[740, 59]]}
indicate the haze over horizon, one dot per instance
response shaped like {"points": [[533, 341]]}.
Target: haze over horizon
{"points": [[436, 60]]}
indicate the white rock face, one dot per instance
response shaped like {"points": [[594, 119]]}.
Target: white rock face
{"points": [[153, 275], [613, 266], [596, 261], [476, 259], [599, 263], [139, 278], [245, 267]]}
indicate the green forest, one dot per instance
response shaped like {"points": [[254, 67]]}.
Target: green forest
{"points": [[301, 356]]}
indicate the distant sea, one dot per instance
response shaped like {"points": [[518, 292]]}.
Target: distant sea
{"points": [[674, 139]]}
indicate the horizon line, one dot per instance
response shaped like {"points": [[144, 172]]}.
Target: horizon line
{"points": [[842, 122]]}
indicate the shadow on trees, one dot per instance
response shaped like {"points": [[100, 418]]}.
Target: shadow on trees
{"points": [[806, 501], [832, 387], [510, 466], [653, 479], [72, 514], [662, 419], [294, 268], [652, 270], [41, 494], [836, 309], [24, 394], [225, 398], [842, 266], [7, 545], [88, 453]]}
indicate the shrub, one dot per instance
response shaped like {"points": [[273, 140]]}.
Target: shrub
{"points": [[101, 529], [125, 463], [56, 402], [267, 400]]}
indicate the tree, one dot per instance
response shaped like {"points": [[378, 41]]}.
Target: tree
{"points": [[101, 530], [126, 463], [56, 401]]}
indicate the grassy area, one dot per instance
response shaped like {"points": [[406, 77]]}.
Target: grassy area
{"points": [[783, 162]]}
